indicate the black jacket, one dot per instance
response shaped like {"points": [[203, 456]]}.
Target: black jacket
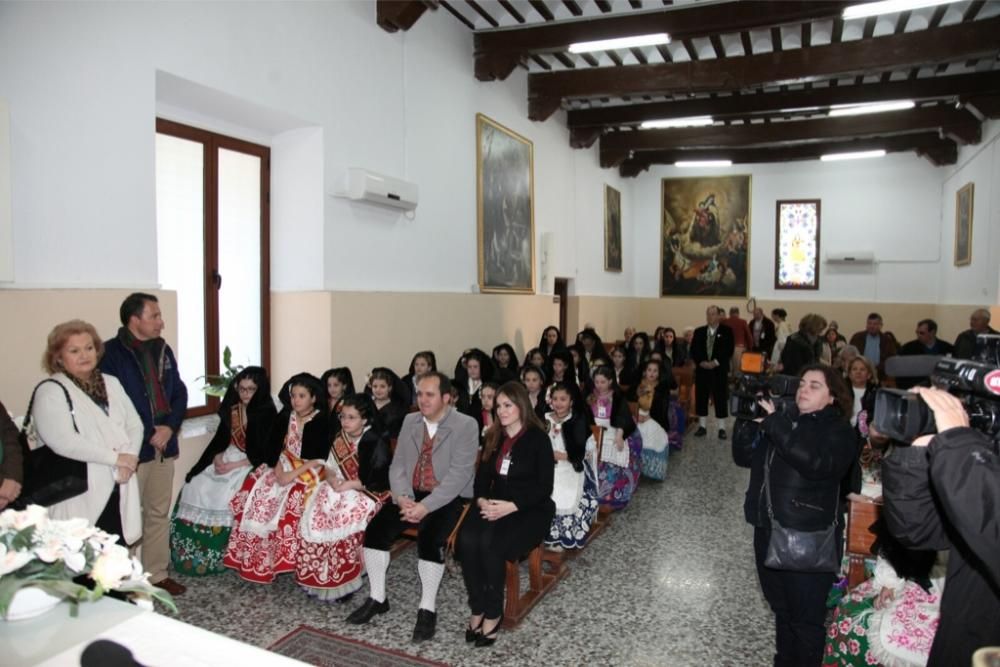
{"points": [[812, 456], [722, 348], [529, 479], [621, 417], [575, 432], [798, 352], [660, 408], [374, 457], [946, 496], [315, 437], [389, 418]]}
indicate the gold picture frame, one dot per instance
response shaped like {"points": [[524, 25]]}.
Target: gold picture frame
{"points": [[505, 208], [612, 229], [964, 200], [705, 236]]}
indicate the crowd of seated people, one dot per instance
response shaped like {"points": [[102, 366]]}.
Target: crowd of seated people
{"points": [[323, 485]]}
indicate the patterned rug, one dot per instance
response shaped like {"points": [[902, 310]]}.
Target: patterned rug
{"points": [[326, 649]]}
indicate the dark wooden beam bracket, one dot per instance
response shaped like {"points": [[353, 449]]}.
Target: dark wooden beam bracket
{"points": [[396, 15]]}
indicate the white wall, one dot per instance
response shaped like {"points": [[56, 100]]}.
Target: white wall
{"points": [[81, 79], [890, 206], [977, 282]]}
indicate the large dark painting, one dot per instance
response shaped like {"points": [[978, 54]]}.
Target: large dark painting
{"points": [[505, 189], [612, 229], [705, 236]]}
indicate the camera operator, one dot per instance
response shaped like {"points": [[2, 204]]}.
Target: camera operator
{"points": [[943, 492], [810, 447]]}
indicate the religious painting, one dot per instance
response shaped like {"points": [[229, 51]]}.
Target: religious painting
{"points": [[612, 229], [505, 213], [963, 224], [705, 236], [796, 249]]}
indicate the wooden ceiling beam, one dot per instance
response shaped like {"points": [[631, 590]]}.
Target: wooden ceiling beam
{"points": [[914, 49], [396, 15], [512, 10], [957, 123], [958, 86], [693, 21], [940, 151]]}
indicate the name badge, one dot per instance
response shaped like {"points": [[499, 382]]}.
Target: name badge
{"points": [[602, 412], [505, 466]]}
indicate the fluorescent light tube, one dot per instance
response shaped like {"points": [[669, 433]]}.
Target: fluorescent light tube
{"points": [[889, 7], [874, 107], [620, 43], [692, 121], [833, 157], [703, 163]]}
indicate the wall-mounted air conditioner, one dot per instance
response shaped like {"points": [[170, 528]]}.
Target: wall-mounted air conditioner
{"points": [[859, 257], [363, 185]]}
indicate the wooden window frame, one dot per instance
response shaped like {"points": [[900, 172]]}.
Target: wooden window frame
{"points": [[212, 141]]}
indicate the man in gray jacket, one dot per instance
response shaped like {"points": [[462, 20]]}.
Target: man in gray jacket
{"points": [[431, 477]]}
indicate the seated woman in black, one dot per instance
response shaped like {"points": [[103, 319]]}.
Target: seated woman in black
{"points": [[535, 357], [621, 451], [593, 348], [487, 397], [422, 362], [339, 383], [653, 393], [563, 369], [504, 364], [472, 370], [618, 356], [533, 378], [386, 389], [512, 510], [673, 349], [551, 341], [638, 351]]}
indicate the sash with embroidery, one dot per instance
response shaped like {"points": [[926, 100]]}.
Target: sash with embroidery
{"points": [[293, 437], [238, 427], [345, 453]]}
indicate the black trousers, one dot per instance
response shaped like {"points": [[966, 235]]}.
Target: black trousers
{"points": [[110, 520], [798, 600], [712, 382], [432, 531], [485, 546]]}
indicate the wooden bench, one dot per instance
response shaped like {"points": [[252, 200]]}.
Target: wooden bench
{"points": [[518, 604], [861, 516]]}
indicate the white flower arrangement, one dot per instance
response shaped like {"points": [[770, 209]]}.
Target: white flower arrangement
{"points": [[49, 554]]}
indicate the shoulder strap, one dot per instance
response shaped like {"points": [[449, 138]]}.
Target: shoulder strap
{"points": [[31, 403]]}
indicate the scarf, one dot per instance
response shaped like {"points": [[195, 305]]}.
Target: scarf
{"points": [[93, 387], [148, 353]]}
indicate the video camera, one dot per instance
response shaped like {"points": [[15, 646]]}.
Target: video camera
{"points": [[904, 416], [754, 385]]}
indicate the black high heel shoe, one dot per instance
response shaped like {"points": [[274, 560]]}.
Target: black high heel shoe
{"points": [[471, 634], [488, 639]]}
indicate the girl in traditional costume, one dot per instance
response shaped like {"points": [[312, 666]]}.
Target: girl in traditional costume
{"points": [[199, 531], [268, 507], [621, 449], [574, 490], [332, 530], [653, 395]]}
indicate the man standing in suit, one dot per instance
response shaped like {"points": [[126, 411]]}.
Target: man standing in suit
{"points": [[763, 333], [875, 344], [431, 477], [711, 350]]}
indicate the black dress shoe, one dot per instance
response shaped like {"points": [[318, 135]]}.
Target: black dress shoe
{"points": [[700, 433], [472, 633], [489, 639], [426, 623], [722, 434], [367, 611]]}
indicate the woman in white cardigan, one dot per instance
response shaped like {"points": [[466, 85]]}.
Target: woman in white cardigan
{"points": [[107, 432]]}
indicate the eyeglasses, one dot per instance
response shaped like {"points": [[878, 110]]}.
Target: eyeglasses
{"points": [[246, 390]]}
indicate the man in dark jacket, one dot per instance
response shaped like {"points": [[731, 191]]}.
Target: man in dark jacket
{"points": [[943, 493], [145, 365], [875, 344], [979, 323], [803, 347], [712, 350], [762, 332]]}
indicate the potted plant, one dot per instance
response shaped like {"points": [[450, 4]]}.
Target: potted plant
{"points": [[216, 385], [42, 560]]}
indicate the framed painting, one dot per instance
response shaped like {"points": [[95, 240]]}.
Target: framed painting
{"points": [[705, 236], [796, 245], [963, 224], [612, 229], [505, 208]]}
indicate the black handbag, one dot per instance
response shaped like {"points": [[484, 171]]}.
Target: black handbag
{"points": [[48, 477], [799, 550]]}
